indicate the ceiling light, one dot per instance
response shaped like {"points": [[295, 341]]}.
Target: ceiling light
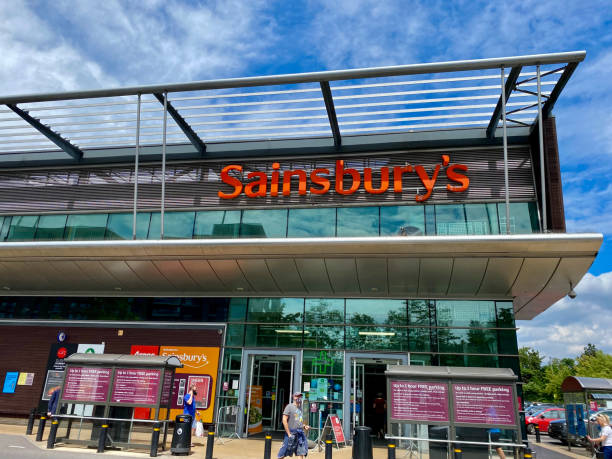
{"points": [[240, 289], [6, 287], [306, 332], [377, 333]]}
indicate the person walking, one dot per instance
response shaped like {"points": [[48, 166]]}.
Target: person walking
{"points": [[189, 407], [295, 441], [605, 438]]}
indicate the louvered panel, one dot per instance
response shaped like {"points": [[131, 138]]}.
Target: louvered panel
{"points": [[314, 275], [203, 274], [343, 275], [196, 184], [403, 276]]}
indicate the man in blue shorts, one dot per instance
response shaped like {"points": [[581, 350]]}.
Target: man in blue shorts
{"points": [[295, 442]]}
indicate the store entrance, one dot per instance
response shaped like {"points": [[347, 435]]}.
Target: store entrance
{"points": [[367, 398], [266, 388]]}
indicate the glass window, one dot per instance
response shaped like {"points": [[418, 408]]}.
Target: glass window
{"points": [[523, 217], [234, 335], [217, 224], [467, 340], [507, 342], [51, 227], [419, 312], [419, 339], [465, 313], [358, 221], [316, 222], [402, 221], [232, 359], [120, 225], [420, 359], [505, 314], [86, 227], [371, 338], [482, 219], [323, 337], [456, 360], [177, 225], [261, 335], [450, 220], [275, 310], [264, 223], [323, 362], [6, 224], [237, 310], [22, 228], [324, 310], [376, 311], [430, 220]]}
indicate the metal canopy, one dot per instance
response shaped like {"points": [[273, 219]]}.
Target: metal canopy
{"points": [[125, 360], [583, 383], [330, 105], [533, 271], [479, 373]]}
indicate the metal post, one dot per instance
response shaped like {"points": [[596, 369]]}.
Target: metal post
{"points": [[102, 439], [268, 446], [390, 451], [541, 144], [457, 452], [537, 433], [136, 167], [155, 439], [505, 139], [329, 449], [41, 427], [163, 190], [52, 433], [31, 421], [210, 443]]}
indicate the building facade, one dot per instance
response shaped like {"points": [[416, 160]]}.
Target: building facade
{"points": [[414, 229]]}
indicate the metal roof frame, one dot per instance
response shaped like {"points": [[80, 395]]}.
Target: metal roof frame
{"points": [[329, 105]]}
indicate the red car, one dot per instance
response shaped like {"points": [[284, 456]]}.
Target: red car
{"points": [[543, 418]]}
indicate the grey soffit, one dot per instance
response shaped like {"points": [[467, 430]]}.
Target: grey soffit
{"points": [[533, 270]]}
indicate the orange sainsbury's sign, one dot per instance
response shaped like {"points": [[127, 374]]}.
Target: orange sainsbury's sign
{"points": [[347, 180]]}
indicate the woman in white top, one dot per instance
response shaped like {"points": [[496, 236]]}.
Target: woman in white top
{"points": [[606, 435]]}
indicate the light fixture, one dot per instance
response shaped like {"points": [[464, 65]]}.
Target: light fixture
{"points": [[240, 289], [293, 332], [6, 287], [118, 289], [374, 289], [366, 333]]}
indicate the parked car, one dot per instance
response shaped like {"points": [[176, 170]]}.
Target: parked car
{"points": [[557, 429], [543, 418]]}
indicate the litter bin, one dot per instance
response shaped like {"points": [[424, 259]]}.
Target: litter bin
{"points": [[362, 443], [181, 437]]}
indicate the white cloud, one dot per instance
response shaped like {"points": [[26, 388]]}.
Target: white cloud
{"points": [[566, 327]]}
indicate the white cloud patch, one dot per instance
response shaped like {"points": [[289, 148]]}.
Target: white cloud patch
{"points": [[566, 327]]}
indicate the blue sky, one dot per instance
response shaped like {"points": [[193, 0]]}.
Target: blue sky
{"points": [[67, 45]]}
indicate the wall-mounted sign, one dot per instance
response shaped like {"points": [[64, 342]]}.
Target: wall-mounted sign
{"points": [[61, 336], [86, 384], [419, 401], [346, 180], [10, 381], [25, 379], [136, 386]]}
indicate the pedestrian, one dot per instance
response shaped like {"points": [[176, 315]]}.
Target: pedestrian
{"points": [[495, 435], [605, 438], [53, 401], [189, 407], [295, 441], [380, 410]]}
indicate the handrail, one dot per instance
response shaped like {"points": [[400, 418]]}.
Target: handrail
{"points": [[462, 442]]}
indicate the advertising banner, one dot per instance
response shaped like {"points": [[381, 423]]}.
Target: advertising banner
{"points": [[136, 349], [255, 409], [90, 348], [87, 384], [136, 386], [484, 404], [201, 364], [337, 428], [419, 401], [54, 375]]}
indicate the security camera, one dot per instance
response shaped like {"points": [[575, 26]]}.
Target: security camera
{"points": [[572, 294]]}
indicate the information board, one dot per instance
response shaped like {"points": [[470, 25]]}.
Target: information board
{"points": [[483, 404], [136, 386], [419, 401], [86, 384], [337, 428]]}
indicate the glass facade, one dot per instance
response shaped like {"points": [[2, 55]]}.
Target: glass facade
{"points": [[372, 221]]}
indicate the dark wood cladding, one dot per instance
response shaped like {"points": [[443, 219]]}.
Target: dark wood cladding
{"points": [[26, 349], [195, 184], [555, 212]]}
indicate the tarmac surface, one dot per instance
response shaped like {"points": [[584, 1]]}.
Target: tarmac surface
{"points": [[15, 444]]}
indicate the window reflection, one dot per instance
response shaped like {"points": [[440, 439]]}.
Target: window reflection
{"points": [[523, 217], [217, 224], [482, 219], [324, 310], [177, 225], [120, 225], [86, 227], [51, 227], [264, 223], [275, 335], [450, 220], [323, 337], [465, 313], [376, 311], [275, 310], [471, 340], [318, 222], [22, 228], [402, 221], [377, 338], [358, 221]]}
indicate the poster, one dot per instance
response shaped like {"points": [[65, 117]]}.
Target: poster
{"points": [[202, 364], [491, 404], [54, 374], [22, 379], [337, 429], [255, 409], [84, 384], [136, 386], [10, 381], [90, 348], [419, 401], [136, 349]]}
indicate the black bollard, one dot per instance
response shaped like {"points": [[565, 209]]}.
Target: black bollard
{"points": [[329, 447], [458, 453], [30, 427], [268, 446], [390, 451], [537, 432], [527, 454], [52, 433], [155, 439], [210, 442], [102, 439], [41, 427]]}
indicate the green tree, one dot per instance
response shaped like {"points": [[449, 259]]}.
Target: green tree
{"points": [[532, 373], [594, 364], [554, 374]]}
